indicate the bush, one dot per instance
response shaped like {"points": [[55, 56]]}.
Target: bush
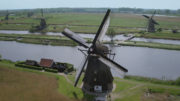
{"points": [[28, 66], [51, 70], [142, 32], [159, 29], [20, 62], [174, 31], [178, 81], [69, 68]]}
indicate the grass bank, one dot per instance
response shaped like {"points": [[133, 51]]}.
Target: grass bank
{"points": [[64, 41], [150, 45], [160, 35], [38, 39]]}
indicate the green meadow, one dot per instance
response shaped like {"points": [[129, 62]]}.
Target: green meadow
{"points": [[22, 84], [89, 22]]}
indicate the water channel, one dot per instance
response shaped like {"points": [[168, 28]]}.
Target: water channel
{"points": [[141, 61]]}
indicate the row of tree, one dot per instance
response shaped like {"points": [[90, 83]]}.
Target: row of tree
{"points": [[90, 10]]}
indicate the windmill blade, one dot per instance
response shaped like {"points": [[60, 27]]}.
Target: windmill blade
{"points": [[103, 28], [113, 65], [42, 13], [80, 71], [75, 37], [153, 14], [153, 21], [146, 16]]}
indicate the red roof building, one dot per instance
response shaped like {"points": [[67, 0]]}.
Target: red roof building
{"points": [[46, 63]]}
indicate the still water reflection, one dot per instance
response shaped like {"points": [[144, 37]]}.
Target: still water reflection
{"points": [[139, 61]]}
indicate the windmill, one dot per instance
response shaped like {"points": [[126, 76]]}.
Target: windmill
{"points": [[98, 79], [7, 16], [151, 22], [41, 26], [43, 21]]}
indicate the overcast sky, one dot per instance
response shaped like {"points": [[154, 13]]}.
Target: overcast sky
{"points": [[148, 4]]}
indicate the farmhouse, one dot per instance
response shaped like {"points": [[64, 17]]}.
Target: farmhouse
{"points": [[51, 64], [47, 63]]}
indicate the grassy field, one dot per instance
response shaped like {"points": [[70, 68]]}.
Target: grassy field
{"points": [[128, 90], [88, 22], [20, 84]]}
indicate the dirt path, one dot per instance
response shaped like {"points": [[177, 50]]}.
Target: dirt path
{"points": [[114, 87], [65, 76], [121, 93]]}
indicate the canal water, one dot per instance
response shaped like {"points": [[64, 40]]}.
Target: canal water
{"points": [[148, 62], [106, 38]]}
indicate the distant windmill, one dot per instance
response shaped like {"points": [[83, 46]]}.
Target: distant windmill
{"points": [[41, 26], [43, 21], [151, 22], [7, 16]]}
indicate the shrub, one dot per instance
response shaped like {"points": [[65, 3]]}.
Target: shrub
{"points": [[28, 66], [142, 32], [174, 31], [159, 29], [69, 68], [20, 62], [178, 81], [51, 70]]}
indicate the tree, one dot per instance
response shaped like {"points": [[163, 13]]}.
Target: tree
{"points": [[43, 23], [0, 56], [111, 33], [6, 17], [178, 81], [167, 11], [29, 14], [178, 11]]}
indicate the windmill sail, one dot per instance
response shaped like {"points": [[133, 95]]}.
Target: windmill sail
{"points": [[103, 28], [42, 13], [146, 16], [75, 37], [153, 21], [78, 75], [113, 65], [153, 14]]}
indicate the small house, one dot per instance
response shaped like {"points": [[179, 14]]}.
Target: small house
{"points": [[47, 63]]}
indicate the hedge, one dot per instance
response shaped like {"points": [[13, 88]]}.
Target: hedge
{"points": [[69, 68], [51, 70], [28, 66]]}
